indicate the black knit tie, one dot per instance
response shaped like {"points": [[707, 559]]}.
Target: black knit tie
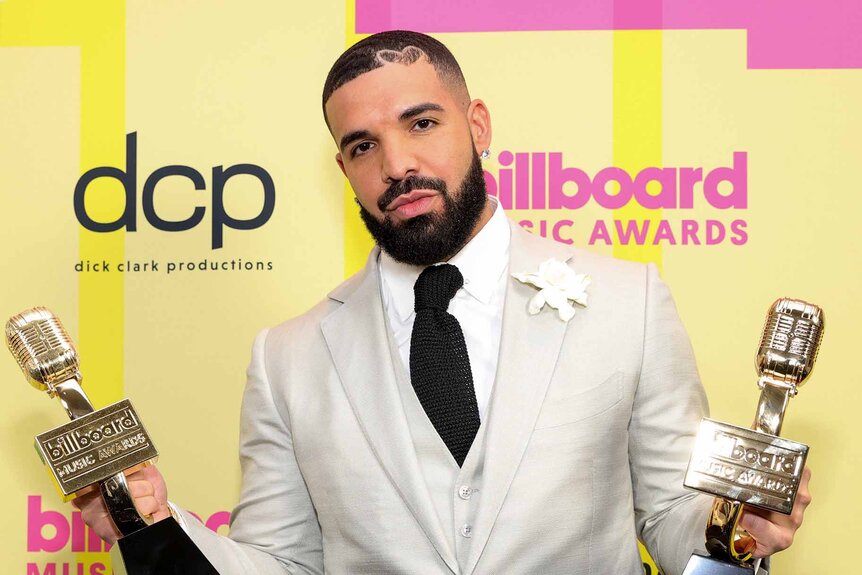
{"points": [[439, 365]]}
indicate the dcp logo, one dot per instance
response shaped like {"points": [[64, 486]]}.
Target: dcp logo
{"points": [[128, 178]]}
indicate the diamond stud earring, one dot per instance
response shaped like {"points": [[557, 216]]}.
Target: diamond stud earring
{"points": [[486, 153]]}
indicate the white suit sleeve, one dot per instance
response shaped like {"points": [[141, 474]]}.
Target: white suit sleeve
{"points": [[274, 528], [669, 404]]}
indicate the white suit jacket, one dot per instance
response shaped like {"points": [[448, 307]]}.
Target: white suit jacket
{"points": [[583, 448]]}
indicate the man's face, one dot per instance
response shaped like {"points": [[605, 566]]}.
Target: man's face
{"points": [[407, 146]]}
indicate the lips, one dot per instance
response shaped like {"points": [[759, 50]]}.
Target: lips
{"points": [[413, 204], [409, 198]]}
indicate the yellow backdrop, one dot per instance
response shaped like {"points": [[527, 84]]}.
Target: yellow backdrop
{"points": [[170, 320]]}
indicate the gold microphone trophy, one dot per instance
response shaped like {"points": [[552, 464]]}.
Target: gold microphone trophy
{"points": [[95, 449], [755, 466]]}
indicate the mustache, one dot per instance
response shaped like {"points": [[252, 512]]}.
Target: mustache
{"points": [[407, 185]]}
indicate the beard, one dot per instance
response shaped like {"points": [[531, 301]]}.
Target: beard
{"points": [[433, 237]]}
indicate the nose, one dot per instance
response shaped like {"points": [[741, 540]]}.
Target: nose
{"points": [[399, 161]]}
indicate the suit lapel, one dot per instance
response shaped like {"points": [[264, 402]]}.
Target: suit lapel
{"points": [[529, 348], [357, 340]]}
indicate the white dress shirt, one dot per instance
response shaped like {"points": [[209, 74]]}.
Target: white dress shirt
{"points": [[478, 306]]}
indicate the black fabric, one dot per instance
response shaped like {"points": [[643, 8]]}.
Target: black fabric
{"points": [[439, 365], [163, 548]]}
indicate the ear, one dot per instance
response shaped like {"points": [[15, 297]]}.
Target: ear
{"points": [[340, 163], [479, 120]]}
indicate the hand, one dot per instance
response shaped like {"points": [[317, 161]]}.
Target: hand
{"points": [[774, 531], [149, 492]]}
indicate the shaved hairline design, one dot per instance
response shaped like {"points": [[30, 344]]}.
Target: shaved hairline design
{"points": [[395, 47], [409, 55]]}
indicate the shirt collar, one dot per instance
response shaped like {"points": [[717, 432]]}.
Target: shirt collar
{"points": [[482, 261]]}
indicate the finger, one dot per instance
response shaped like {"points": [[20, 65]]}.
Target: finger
{"points": [[160, 490], [90, 499], [147, 505], [141, 488], [81, 501], [803, 495], [100, 521], [794, 520], [152, 474], [771, 531]]}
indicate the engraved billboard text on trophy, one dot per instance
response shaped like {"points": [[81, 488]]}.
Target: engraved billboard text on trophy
{"points": [[747, 466], [103, 443], [751, 462], [104, 429]]}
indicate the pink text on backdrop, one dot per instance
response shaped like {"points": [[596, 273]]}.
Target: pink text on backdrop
{"points": [[52, 531], [541, 181]]}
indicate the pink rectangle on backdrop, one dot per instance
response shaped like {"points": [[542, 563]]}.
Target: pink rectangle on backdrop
{"points": [[782, 33]]}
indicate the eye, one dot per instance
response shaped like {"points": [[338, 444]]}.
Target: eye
{"points": [[424, 125], [360, 149]]}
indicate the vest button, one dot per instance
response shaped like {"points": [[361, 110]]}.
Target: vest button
{"points": [[467, 531], [464, 492]]}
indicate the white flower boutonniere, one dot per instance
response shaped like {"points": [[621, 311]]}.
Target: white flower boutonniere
{"points": [[558, 285]]}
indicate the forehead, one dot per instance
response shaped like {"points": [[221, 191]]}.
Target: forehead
{"points": [[380, 95]]}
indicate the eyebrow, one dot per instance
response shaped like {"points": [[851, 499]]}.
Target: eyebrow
{"points": [[410, 112], [419, 109]]}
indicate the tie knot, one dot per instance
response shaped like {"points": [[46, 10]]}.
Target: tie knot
{"points": [[436, 286]]}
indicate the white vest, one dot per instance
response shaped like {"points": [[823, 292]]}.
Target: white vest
{"points": [[455, 492]]}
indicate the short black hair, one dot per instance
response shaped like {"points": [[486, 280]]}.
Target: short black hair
{"points": [[401, 46]]}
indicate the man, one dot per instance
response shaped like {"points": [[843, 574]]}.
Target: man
{"points": [[459, 425]]}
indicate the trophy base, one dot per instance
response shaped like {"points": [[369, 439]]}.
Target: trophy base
{"points": [[702, 564], [162, 548]]}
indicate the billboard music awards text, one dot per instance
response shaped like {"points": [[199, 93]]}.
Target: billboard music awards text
{"points": [[541, 181]]}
